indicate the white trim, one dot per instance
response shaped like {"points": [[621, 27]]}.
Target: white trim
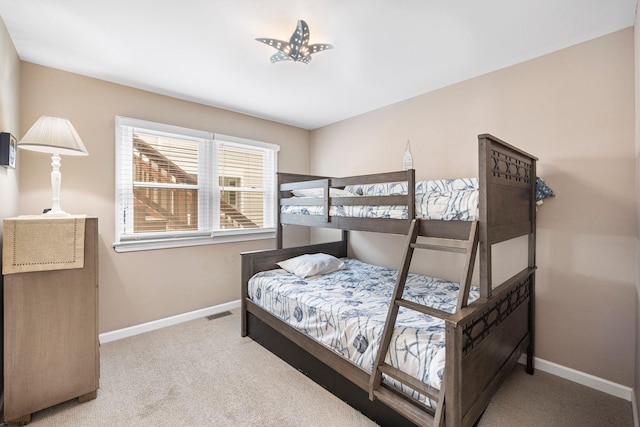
{"points": [[597, 383], [168, 321], [163, 129], [181, 242], [243, 142]]}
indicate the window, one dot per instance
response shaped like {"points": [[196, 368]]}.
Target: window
{"points": [[183, 187]]}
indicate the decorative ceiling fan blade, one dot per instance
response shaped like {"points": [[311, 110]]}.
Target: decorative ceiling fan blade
{"points": [[279, 56], [314, 48], [278, 44]]}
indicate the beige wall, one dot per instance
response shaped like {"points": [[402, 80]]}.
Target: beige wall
{"points": [[574, 110], [636, 51], [141, 286], [9, 120]]}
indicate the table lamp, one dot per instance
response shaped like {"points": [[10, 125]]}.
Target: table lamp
{"points": [[56, 136]]}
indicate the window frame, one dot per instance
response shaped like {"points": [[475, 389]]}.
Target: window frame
{"points": [[208, 205]]}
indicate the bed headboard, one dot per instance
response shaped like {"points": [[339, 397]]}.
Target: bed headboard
{"points": [[507, 200]]}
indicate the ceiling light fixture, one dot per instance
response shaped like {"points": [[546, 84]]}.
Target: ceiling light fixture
{"points": [[297, 49]]}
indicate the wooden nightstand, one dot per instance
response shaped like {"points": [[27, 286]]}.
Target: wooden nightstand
{"points": [[51, 348]]}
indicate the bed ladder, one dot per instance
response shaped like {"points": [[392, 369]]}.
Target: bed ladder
{"points": [[412, 409]]}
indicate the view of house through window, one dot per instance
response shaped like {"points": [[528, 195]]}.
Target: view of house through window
{"points": [[241, 181], [175, 183], [165, 186]]}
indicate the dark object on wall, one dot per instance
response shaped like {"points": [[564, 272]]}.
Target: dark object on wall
{"points": [[7, 150]]}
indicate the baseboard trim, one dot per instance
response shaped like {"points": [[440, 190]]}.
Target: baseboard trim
{"points": [[597, 383], [168, 321]]}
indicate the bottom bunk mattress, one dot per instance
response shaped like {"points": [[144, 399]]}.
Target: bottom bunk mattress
{"points": [[346, 310]]}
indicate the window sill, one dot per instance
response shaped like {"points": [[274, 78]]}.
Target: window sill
{"points": [[180, 242]]}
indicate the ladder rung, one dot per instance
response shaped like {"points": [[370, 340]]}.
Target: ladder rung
{"points": [[424, 309], [444, 248], [412, 412], [412, 382]]}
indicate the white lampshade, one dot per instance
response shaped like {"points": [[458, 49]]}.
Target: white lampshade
{"points": [[53, 135]]}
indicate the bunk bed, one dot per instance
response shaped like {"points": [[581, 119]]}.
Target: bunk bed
{"points": [[484, 329]]}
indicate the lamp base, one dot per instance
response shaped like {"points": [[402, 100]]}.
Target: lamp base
{"points": [[56, 213], [56, 177]]}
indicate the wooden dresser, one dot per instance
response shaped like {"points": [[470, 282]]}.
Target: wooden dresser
{"points": [[51, 349]]}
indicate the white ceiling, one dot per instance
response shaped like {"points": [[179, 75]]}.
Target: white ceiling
{"points": [[385, 51]]}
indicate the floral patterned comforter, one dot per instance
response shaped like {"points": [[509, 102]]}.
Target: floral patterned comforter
{"points": [[450, 199], [443, 199], [346, 310]]}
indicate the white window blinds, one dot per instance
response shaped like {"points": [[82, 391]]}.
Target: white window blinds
{"points": [[174, 184]]}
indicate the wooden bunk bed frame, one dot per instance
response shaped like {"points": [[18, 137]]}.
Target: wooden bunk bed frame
{"points": [[484, 339]]}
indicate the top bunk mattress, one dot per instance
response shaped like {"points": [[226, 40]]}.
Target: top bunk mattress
{"points": [[448, 199], [346, 311]]}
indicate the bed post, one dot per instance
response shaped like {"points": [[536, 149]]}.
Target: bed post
{"points": [[485, 245], [345, 241], [411, 184], [247, 270], [453, 375], [532, 264], [278, 219]]}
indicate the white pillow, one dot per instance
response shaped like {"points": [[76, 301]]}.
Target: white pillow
{"points": [[319, 192], [312, 265]]}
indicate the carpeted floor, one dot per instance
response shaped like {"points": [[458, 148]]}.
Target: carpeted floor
{"points": [[202, 373]]}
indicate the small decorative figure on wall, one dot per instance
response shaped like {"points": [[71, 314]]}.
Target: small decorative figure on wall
{"points": [[407, 160]]}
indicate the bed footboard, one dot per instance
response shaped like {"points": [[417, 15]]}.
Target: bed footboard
{"points": [[484, 342]]}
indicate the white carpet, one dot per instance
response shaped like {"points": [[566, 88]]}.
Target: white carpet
{"points": [[202, 373]]}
